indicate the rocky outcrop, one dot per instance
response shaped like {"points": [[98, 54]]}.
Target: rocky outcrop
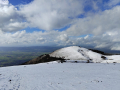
{"points": [[97, 51], [42, 59], [103, 57]]}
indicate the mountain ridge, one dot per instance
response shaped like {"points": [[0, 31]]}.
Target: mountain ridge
{"points": [[71, 53]]}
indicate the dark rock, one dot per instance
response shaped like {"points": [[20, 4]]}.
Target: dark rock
{"points": [[44, 58], [76, 61], [101, 52], [97, 51], [88, 61], [103, 57]]}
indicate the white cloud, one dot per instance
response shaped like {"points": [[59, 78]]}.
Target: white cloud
{"points": [[10, 19], [108, 40], [51, 14], [18, 34], [30, 39], [86, 37], [42, 40], [63, 37], [108, 20], [4, 2], [113, 2], [116, 47], [56, 14]]}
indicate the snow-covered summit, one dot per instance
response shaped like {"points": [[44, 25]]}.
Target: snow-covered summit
{"points": [[79, 53]]}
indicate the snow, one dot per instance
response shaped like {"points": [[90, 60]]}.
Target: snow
{"points": [[61, 76], [68, 53], [76, 53], [74, 74], [79, 53], [112, 59]]}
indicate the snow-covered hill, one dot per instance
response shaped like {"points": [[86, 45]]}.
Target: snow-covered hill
{"points": [[76, 53], [79, 53], [74, 74], [61, 76]]}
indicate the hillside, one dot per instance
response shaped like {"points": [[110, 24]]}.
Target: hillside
{"points": [[61, 76], [75, 73], [76, 53]]}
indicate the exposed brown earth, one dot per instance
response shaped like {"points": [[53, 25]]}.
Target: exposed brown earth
{"points": [[42, 59]]}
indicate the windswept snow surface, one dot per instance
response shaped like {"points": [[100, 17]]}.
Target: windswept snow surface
{"points": [[79, 53], [112, 59], [61, 76], [76, 53], [69, 53]]}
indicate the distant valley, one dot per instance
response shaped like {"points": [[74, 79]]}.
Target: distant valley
{"points": [[10, 56]]}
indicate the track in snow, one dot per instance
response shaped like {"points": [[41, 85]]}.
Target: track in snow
{"points": [[61, 76], [9, 80]]}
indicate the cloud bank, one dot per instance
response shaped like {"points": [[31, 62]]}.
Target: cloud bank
{"points": [[93, 23]]}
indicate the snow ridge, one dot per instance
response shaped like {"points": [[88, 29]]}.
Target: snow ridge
{"points": [[79, 53]]}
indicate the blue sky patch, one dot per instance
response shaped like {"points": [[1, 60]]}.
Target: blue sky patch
{"points": [[31, 30], [17, 2]]}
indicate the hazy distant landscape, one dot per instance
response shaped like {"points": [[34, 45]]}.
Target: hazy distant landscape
{"points": [[10, 56]]}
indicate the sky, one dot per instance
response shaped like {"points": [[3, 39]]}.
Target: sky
{"points": [[89, 23]]}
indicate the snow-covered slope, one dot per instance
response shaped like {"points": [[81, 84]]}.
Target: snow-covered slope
{"points": [[68, 53], [58, 76], [112, 59], [79, 53], [75, 53], [74, 74]]}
